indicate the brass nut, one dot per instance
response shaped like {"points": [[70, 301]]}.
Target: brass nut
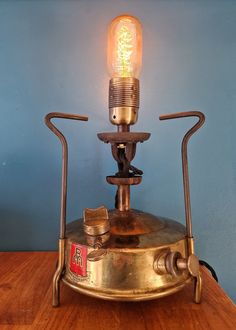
{"points": [[159, 264], [171, 263]]}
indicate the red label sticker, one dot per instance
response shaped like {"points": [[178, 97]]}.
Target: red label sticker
{"points": [[78, 259]]}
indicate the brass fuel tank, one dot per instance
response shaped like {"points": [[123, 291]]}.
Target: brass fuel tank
{"points": [[127, 269]]}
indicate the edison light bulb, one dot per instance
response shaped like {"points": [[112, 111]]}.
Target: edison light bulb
{"points": [[124, 65], [125, 47]]}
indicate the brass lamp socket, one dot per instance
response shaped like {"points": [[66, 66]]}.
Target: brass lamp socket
{"points": [[123, 100]]}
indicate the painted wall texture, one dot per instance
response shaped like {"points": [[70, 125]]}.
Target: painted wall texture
{"points": [[53, 58]]}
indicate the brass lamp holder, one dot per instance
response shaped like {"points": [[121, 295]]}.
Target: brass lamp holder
{"points": [[123, 101], [125, 254]]}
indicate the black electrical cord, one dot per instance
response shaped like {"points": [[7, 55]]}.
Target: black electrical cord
{"points": [[213, 273]]}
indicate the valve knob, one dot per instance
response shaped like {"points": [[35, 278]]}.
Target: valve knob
{"points": [[191, 264], [173, 263]]}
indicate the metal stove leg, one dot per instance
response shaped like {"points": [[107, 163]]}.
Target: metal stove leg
{"points": [[187, 204], [58, 273], [198, 288], [61, 260]]}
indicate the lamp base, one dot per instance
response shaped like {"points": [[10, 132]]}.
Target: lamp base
{"points": [[125, 267]]}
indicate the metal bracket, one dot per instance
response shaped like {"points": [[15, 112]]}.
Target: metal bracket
{"points": [[184, 152], [61, 252], [62, 138]]}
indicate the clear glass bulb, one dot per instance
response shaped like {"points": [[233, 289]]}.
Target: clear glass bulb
{"points": [[125, 47]]}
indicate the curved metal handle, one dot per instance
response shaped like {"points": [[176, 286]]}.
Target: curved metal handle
{"points": [[62, 138], [184, 152]]}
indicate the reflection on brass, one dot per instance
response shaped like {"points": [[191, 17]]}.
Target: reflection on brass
{"points": [[123, 197], [191, 264], [159, 264], [190, 245], [171, 263], [123, 100], [123, 115], [126, 271], [198, 289], [129, 295]]}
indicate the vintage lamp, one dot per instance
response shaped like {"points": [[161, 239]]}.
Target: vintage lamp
{"points": [[125, 254]]}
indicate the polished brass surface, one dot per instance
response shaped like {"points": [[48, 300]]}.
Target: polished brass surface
{"points": [[126, 271], [58, 274], [96, 221], [123, 197], [133, 295], [123, 115], [123, 100], [191, 264], [134, 228], [171, 263], [198, 289], [191, 249], [159, 264], [96, 226]]}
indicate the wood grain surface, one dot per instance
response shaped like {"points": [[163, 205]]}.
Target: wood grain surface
{"points": [[26, 294]]}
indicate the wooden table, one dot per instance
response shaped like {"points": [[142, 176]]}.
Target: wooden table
{"points": [[25, 302]]}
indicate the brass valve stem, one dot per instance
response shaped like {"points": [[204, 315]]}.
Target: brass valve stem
{"points": [[122, 128], [123, 197]]}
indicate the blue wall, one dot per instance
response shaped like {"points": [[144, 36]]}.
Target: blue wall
{"points": [[53, 58]]}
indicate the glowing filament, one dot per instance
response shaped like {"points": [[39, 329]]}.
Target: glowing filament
{"points": [[125, 50], [125, 47]]}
